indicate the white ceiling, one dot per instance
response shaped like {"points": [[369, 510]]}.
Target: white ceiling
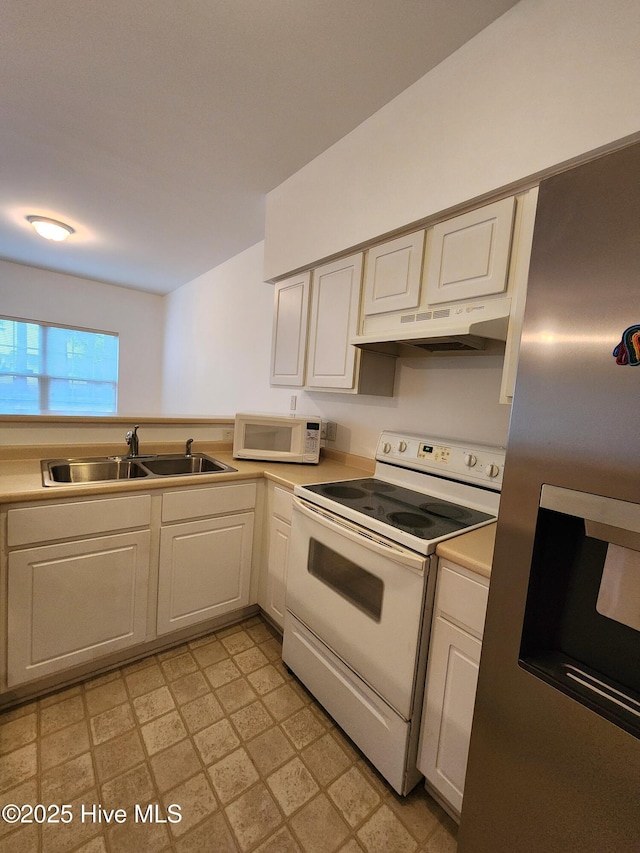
{"points": [[156, 127]]}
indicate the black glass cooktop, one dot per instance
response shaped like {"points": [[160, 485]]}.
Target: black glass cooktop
{"points": [[413, 512]]}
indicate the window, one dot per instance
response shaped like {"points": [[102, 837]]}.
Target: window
{"points": [[48, 369]]}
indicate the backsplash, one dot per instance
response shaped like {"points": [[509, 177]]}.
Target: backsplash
{"points": [[26, 433]]}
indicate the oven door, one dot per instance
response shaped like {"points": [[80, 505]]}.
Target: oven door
{"points": [[362, 595]]}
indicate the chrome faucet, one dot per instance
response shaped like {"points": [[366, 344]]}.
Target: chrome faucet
{"points": [[131, 438], [187, 450]]}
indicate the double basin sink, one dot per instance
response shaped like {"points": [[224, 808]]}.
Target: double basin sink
{"points": [[57, 472]]}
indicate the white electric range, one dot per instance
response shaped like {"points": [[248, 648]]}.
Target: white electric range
{"points": [[361, 580]]}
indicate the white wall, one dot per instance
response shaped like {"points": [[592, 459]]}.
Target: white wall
{"points": [[34, 294], [546, 82], [218, 342], [217, 357], [80, 434], [542, 84]]}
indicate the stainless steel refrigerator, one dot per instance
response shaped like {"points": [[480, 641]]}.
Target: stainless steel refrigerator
{"points": [[554, 761]]}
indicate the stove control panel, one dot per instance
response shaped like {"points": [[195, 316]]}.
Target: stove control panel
{"points": [[472, 463], [437, 452]]}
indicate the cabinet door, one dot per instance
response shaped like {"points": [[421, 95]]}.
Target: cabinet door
{"points": [[450, 696], [75, 602], [392, 275], [279, 536], [335, 302], [289, 339], [469, 254], [205, 570]]}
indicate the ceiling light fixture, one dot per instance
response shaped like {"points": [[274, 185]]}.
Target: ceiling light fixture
{"points": [[50, 229]]}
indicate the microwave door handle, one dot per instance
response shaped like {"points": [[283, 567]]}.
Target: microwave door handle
{"points": [[378, 545]]}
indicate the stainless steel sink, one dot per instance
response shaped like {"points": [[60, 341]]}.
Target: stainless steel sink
{"points": [[57, 472], [196, 463]]}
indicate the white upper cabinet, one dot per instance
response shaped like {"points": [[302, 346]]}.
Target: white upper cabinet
{"points": [[392, 275], [338, 327], [289, 340], [335, 302], [315, 316], [205, 559], [469, 254]]}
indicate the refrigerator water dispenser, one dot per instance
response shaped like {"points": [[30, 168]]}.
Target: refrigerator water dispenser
{"points": [[581, 630]]}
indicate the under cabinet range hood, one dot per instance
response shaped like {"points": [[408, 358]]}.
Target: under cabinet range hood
{"points": [[461, 327], [453, 287]]}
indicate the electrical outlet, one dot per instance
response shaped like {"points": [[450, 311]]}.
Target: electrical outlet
{"points": [[227, 435], [331, 429], [294, 401]]}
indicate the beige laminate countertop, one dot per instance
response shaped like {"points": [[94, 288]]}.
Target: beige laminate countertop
{"points": [[472, 550], [21, 481]]}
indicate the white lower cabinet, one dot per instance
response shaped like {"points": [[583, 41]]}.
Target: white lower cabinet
{"points": [[315, 316], [274, 582], [452, 675], [75, 601], [81, 576], [205, 563], [279, 537], [205, 570]]}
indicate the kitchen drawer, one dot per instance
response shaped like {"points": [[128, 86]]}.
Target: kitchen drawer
{"points": [[217, 500], [283, 504], [380, 732], [462, 597], [73, 519]]}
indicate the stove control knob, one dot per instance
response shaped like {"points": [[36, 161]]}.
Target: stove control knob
{"points": [[386, 447], [492, 470], [402, 446], [470, 460]]}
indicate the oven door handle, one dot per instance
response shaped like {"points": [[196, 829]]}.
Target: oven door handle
{"points": [[341, 527]]}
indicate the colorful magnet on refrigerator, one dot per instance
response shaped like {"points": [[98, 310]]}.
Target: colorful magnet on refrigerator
{"points": [[628, 350]]}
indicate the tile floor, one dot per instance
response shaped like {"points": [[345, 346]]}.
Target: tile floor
{"points": [[219, 728]]}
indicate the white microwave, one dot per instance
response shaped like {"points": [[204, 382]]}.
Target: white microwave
{"points": [[277, 438]]}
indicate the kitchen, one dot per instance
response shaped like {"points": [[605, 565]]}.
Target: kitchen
{"points": [[594, 56]]}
